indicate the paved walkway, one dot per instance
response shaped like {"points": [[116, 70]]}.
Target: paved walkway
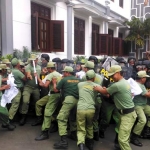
{"points": [[23, 139]]}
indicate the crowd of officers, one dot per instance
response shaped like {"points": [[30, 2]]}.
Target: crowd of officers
{"points": [[78, 100]]}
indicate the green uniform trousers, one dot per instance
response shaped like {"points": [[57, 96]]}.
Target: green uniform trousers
{"points": [[40, 104], [141, 112], [26, 98], [4, 116], [50, 107], [69, 103], [14, 105], [84, 125], [126, 123], [109, 110]]}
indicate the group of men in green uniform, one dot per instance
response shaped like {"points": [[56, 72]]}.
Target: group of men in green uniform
{"points": [[77, 101]]}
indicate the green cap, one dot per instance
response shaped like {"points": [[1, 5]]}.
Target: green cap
{"points": [[22, 63], [89, 64], [6, 61], [90, 74], [68, 69], [114, 69], [14, 61], [82, 61], [3, 66], [32, 57], [142, 74], [50, 64]]}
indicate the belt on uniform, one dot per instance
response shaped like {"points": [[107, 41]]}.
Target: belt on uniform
{"points": [[52, 92], [126, 111]]}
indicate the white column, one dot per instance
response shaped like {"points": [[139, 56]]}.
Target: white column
{"points": [[104, 27], [88, 49], [7, 26], [116, 32], [69, 30]]}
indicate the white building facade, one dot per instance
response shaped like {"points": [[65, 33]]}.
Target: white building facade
{"points": [[64, 28]]}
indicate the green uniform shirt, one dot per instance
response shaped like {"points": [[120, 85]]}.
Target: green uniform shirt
{"points": [[18, 75], [69, 86], [30, 69], [140, 99], [121, 93], [98, 80], [86, 95], [52, 75]]}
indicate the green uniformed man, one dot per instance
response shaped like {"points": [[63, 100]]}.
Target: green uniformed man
{"points": [[8, 64], [122, 97], [22, 67], [53, 100], [43, 101], [4, 72], [89, 65], [31, 87], [70, 90], [19, 81], [86, 111], [4, 116], [142, 110]]}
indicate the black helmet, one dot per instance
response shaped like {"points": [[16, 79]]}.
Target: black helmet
{"points": [[46, 57], [57, 59], [120, 60], [131, 58], [93, 58], [65, 60]]}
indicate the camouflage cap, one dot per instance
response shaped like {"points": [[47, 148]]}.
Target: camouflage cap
{"points": [[14, 61], [50, 64], [89, 64], [114, 69], [6, 61], [3, 66], [68, 69], [32, 57], [90, 74], [142, 74]]}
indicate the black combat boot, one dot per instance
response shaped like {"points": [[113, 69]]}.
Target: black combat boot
{"points": [[23, 120], [116, 143], [81, 146], [9, 127], [38, 121], [96, 136], [12, 122], [54, 127], [62, 144], [43, 136], [147, 132], [134, 140], [89, 143]]}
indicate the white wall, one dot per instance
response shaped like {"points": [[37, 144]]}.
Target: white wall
{"points": [[61, 14], [114, 6], [21, 24]]}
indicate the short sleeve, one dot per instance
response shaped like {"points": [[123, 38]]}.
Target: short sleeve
{"points": [[112, 89]]}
